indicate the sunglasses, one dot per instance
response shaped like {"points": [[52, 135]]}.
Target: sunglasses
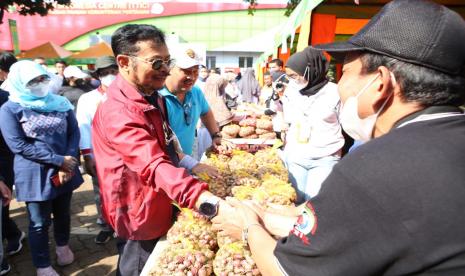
{"points": [[187, 113], [158, 63]]}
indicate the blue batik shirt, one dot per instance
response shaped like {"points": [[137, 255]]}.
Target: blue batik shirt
{"points": [[39, 141]]}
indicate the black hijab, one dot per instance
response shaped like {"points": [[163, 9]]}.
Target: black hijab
{"points": [[317, 68]]}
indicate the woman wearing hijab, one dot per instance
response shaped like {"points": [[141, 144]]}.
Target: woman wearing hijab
{"points": [[249, 87], [314, 139], [41, 130], [215, 95]]}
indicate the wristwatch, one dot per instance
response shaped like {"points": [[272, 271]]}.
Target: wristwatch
{"points": [[216, 135], [209, 207], [245, 232]]}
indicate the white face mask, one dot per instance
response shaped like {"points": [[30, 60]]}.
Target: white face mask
{"points": [[108, 79], [293, 84], [299, 84], [359, 129], [40, 90]]}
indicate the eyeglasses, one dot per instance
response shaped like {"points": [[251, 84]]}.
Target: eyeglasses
{"points": [[36, 81], [157, 63], [297, 77], [187, 113]]}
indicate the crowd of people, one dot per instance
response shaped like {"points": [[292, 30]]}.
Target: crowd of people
{"points": [[139, 123]]}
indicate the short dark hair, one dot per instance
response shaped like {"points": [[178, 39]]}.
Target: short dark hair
{"points": [[425, 86], [61, 62], [6, 60], [124, 39], [277, 61]]}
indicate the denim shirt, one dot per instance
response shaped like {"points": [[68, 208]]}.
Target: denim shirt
{"points": [[40, 140]]}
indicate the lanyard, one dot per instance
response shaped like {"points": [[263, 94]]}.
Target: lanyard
{"points": [[155, 101], [171, 140]]}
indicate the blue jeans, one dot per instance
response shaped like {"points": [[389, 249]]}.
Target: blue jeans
{"points": [[39, 221], [9, 228], [307, 175]]}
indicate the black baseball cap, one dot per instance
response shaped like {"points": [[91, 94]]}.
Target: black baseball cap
{"points": [[415, 31], [104, 62]]}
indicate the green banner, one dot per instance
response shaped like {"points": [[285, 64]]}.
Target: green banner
{"points": [[14, 35]]}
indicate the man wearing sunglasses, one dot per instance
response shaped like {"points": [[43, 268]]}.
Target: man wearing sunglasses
{"points": [[134, 149], [186, 105]]}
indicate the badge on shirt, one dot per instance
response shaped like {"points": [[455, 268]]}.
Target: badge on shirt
{"points": [[304, 130], [306, 224]]}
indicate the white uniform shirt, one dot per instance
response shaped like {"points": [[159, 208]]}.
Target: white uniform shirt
{"points": [[86, 108], [314, 130]]}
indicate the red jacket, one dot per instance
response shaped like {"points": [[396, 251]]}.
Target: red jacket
{"points": [[137, 180]]}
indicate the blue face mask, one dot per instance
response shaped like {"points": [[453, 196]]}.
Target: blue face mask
{"points": [[94, 83]]}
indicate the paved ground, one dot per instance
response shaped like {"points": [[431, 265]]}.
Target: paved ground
{"points": [[90, 259]]}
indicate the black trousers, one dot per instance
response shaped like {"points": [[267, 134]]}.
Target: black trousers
{"points": [[133, 255], [10, 230]]}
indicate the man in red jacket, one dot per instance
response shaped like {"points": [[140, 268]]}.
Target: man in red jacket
{"points": [[135, 150]]}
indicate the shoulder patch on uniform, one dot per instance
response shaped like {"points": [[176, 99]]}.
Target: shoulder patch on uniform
{"points": [[306, 224]]}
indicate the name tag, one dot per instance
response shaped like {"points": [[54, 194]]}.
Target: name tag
{"points": [[303, 132]]}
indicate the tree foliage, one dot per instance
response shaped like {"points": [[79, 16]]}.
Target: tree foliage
{"points": [[30, 7], [291, 4]]}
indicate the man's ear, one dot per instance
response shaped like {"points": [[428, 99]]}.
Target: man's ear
{"points": [[385, 84], [123, 62], [384, 87]]}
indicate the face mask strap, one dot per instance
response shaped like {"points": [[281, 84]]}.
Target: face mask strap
{"points": [[394, 82], [393, 77], [367, 85], [307, 70], [384, 104]]}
